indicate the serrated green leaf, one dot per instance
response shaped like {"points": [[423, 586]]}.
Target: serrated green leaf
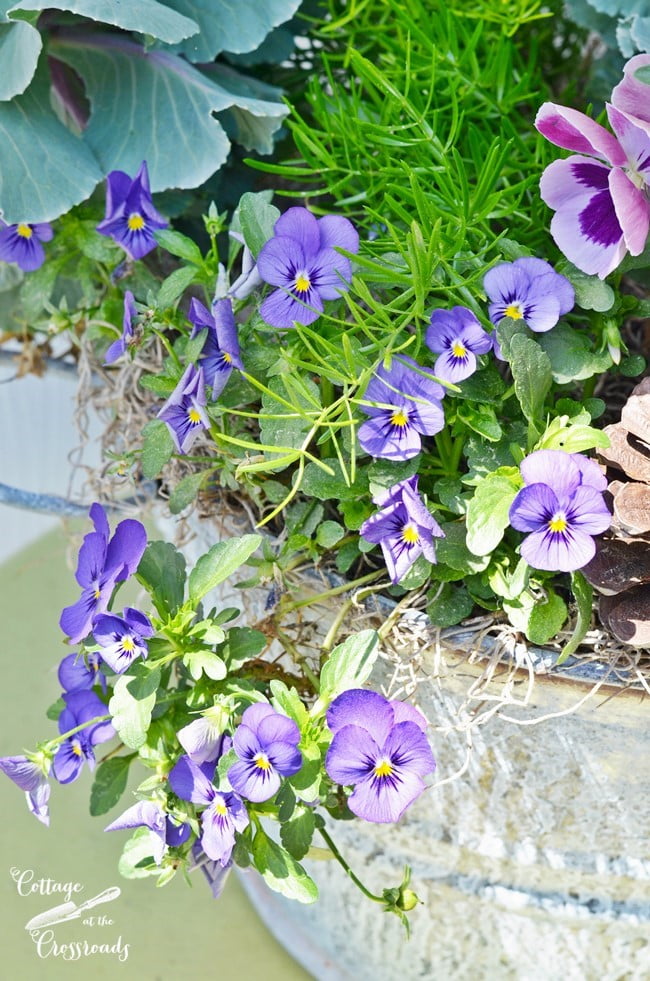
{"points": [[109, 784], [162, 572], [131, 716], [592, 293], [174, 286], [158, 384], [296, 834], [205, 662], [348, 666], [179, 245], [141, 16], [571, 356], [487, 512], [531, 372], [546, 619], [280, 870], [481, 419], [257, 216], [157, 448], [288, 701], [186, 490], [448, 605], [452, 550], [243, 644], [221, 561], [143, 679]]}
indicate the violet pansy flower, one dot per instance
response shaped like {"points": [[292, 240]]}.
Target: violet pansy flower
{"points": [[600, 195], [457, 336], [21, 244], [103, 562], [630, 96], [184, 411], [528, 289], [408, 406], [381, 750], [266, 743], [220, 352], [215, 873], [79, 673], [225, 813], [130, 215], [204, 738], [403, 527], [121, 345], [302, 261], [150, 814], [122, 639], [561, 508], [81, 707], [30, 776]]}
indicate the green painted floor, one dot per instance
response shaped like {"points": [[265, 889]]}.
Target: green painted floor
{"points": [[175, 932]]}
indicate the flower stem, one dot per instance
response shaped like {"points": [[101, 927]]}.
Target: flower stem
{"points": [[339, 858], [66, 735]]}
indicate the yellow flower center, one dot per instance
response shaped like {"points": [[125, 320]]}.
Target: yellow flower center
{"points": [[458, 350], [261, 761], [24, 231], [558, 522], [399, 418], [97, 592], [76, 748], [383, 769], [513, 311], [135, 222], [226, 357], [127, 644], [194, 416], [410, 535], [302, 283], [221, 809]]}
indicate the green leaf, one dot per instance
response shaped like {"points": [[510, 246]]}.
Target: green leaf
{"points": [[481, 418], [452, 550], [329, 533], [186, 490], [44, 168], [20, 46], [219, 563], [592, 293], [323, 486], [109, 784], [144, 679], [307, 780], [55, 709], [288, 701], [546, 619], [157, 448], [280, 870], [447, 605], [140, 847], [153, 105], [348, 666], [487, 512], [257, 218], [243, 644], [584, 597], [141, 16], [131, 716], [205, 662], [531, 371], [297, 833], [174, 286], [162, 572], [571, 356], [485, 385], [225, 26], [158, 384], [179, 245], [382, 474]]}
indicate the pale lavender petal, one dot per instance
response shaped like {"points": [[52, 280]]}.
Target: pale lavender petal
{"points": [[380, 438], [245, 742], [558, 552], [23, 772], [634, 140], [277, 728], [553, 467], [37, 802], [253, 782], [632, 210], [358, 706], [300, 225], [189, 782], [588, 511], [279, 261], [542, 312], [337, 232], [352, 755], [331, 274], [285, 757], [384, 800], [533, 507], [201, 740], [405, 712], [427, 417], [408, 749], [144, 814], [454, 368], [631, 95], [256, 713], [281, 309], [565, 181], [572, 130], [590, 472]]}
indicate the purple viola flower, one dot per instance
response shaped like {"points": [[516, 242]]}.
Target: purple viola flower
{"points": [[561, 507], [22, 244], [204, 738], [249, 279], [81, 707], [79, 673], [600, 196], [184, 411], [225, 813], [103, 562], [30, 776], [457, 337], [130, 215], [121, 345], [301, 259], [403, 527], [150, 814], [381, 750], [530, 290], [266, 743], [408, 406], [221, 347], [122, 639], [215, 873], [630, 96]]}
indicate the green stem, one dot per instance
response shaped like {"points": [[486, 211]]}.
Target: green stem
{"points": [[335, 591], [66, 735], [339, 858]]}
